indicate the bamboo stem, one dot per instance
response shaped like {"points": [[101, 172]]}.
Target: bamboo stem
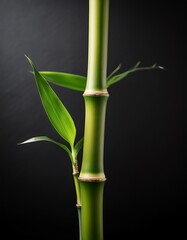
{"points": [[76, 182], [92, 210], [92, 176], [79, 219], [98, 45], [78, 195], [92, 164]]}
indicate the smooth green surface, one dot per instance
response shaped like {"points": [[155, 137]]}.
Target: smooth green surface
{"points": [[56, 111], [98, 44], [94, 135], [78, 147], [77, 188], [67, 80], [80, 225], [95, 96], [92, 210]]}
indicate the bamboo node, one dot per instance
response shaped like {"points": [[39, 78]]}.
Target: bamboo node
{"points": [[75, 169], [92, 179], [78, 205], [75, 173], [94, 93]]}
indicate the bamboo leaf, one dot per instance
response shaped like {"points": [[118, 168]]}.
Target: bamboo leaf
{"points": [[44, 138], [118, 77], [78, 146], [56, 111], [115, 70], [67, 80]]}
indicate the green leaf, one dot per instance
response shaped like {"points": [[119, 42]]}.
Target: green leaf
{"points": [[56, 111], [115, 70], [44, 138], [78, 146], [67, 80], [117, 78]]}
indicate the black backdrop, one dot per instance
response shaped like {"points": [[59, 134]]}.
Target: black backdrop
{"points": [[145, 194]]}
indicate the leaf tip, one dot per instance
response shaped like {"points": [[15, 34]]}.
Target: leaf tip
{"points": [[161, 67], [137, 64], [27, 57], [154, 65], [29, 60], [158, 66], [119, 66], [21, 143]]}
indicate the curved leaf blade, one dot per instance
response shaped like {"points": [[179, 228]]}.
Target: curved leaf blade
{"points": [[119, 77], [55, 110], [45, 138], [78, 146], [115, 70], [67, 80]]}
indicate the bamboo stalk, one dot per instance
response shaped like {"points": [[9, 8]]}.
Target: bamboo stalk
{"points": [[98, 45], [92, 176]]}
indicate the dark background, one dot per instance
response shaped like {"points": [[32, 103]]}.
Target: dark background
{"points": [[145, 192]]}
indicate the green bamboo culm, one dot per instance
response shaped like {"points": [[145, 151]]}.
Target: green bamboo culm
{"points": [[92, 175], [98, 45]]}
